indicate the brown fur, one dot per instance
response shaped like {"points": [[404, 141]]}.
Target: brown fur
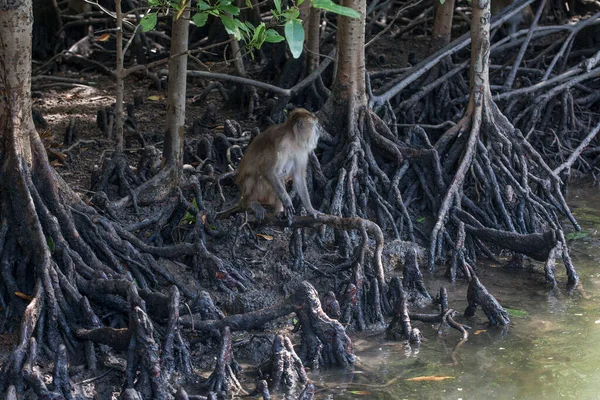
{"points": [[525, 17], [278, 154]]}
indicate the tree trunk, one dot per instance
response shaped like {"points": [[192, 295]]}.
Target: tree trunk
{"points": [[53, 247], [119, 81], [442, 25], [173, 148], [348, 93], [160, 186], [312, 23]]}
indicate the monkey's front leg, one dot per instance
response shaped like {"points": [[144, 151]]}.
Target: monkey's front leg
{"points": [[283, 195], [300, 186]]}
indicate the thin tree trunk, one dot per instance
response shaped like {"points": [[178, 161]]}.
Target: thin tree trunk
{"points": [[119, 78], [442, 25], [16, 123], [173, 148], [348, 93], [312, 40], [480, 51], [350, 76]]}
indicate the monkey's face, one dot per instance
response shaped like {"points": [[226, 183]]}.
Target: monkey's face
{"points": [[307, 130]]}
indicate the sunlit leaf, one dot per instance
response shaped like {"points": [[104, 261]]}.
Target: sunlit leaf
{"points": [[479, 332], [230, 26], [329, 5], [266, 237], [200, 19], [248, 4], [103, 38], [148, 22], [442, 1], [153, 3], [359, 392], [294, 34], [156, 97], [431, 378]]}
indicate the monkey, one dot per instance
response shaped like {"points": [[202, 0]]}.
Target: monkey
{"points": [[274, 156], [525, 16]]}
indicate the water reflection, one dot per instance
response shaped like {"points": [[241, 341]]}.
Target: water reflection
{"points": [[550, 350]]}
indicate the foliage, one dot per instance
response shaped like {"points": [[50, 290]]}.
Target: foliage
{"points": [[254, 37]]}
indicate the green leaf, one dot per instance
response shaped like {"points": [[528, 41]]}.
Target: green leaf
{"points": [[50, 242], [188, 218], [203, 6], [153, 3], [248, 4], [299, 2], [242, 25], [230, 26], [272, 36], [292, 13], [516, 313], [420, 219], [294, 34], [233, 10], [200, 19], [442, 1], [577, 235], [278, 6], [148, 22], [329, 5]]}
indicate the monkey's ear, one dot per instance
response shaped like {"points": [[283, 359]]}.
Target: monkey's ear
{"points": [[299, 125]]}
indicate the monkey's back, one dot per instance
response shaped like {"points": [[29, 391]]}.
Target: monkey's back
{"points": [[256, 164], [525, 16]]}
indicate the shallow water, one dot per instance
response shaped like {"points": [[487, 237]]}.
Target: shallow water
{"points": [[551, 350]]}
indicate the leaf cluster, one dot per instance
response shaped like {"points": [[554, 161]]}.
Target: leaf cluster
{"points": [[253, 36]]}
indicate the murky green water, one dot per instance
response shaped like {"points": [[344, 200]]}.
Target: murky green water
{"points": [[551, 350]]}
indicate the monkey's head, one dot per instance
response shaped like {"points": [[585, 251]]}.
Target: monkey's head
{"points": [[305, 126]]}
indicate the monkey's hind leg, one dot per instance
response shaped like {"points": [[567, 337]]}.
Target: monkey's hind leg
{"points": [[258, 209]]}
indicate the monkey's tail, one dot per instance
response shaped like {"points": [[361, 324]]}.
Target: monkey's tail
{"points": [[229, 212]]}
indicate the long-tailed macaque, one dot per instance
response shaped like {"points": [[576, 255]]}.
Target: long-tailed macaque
{"points": [[272, 158], [525, 16]]}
